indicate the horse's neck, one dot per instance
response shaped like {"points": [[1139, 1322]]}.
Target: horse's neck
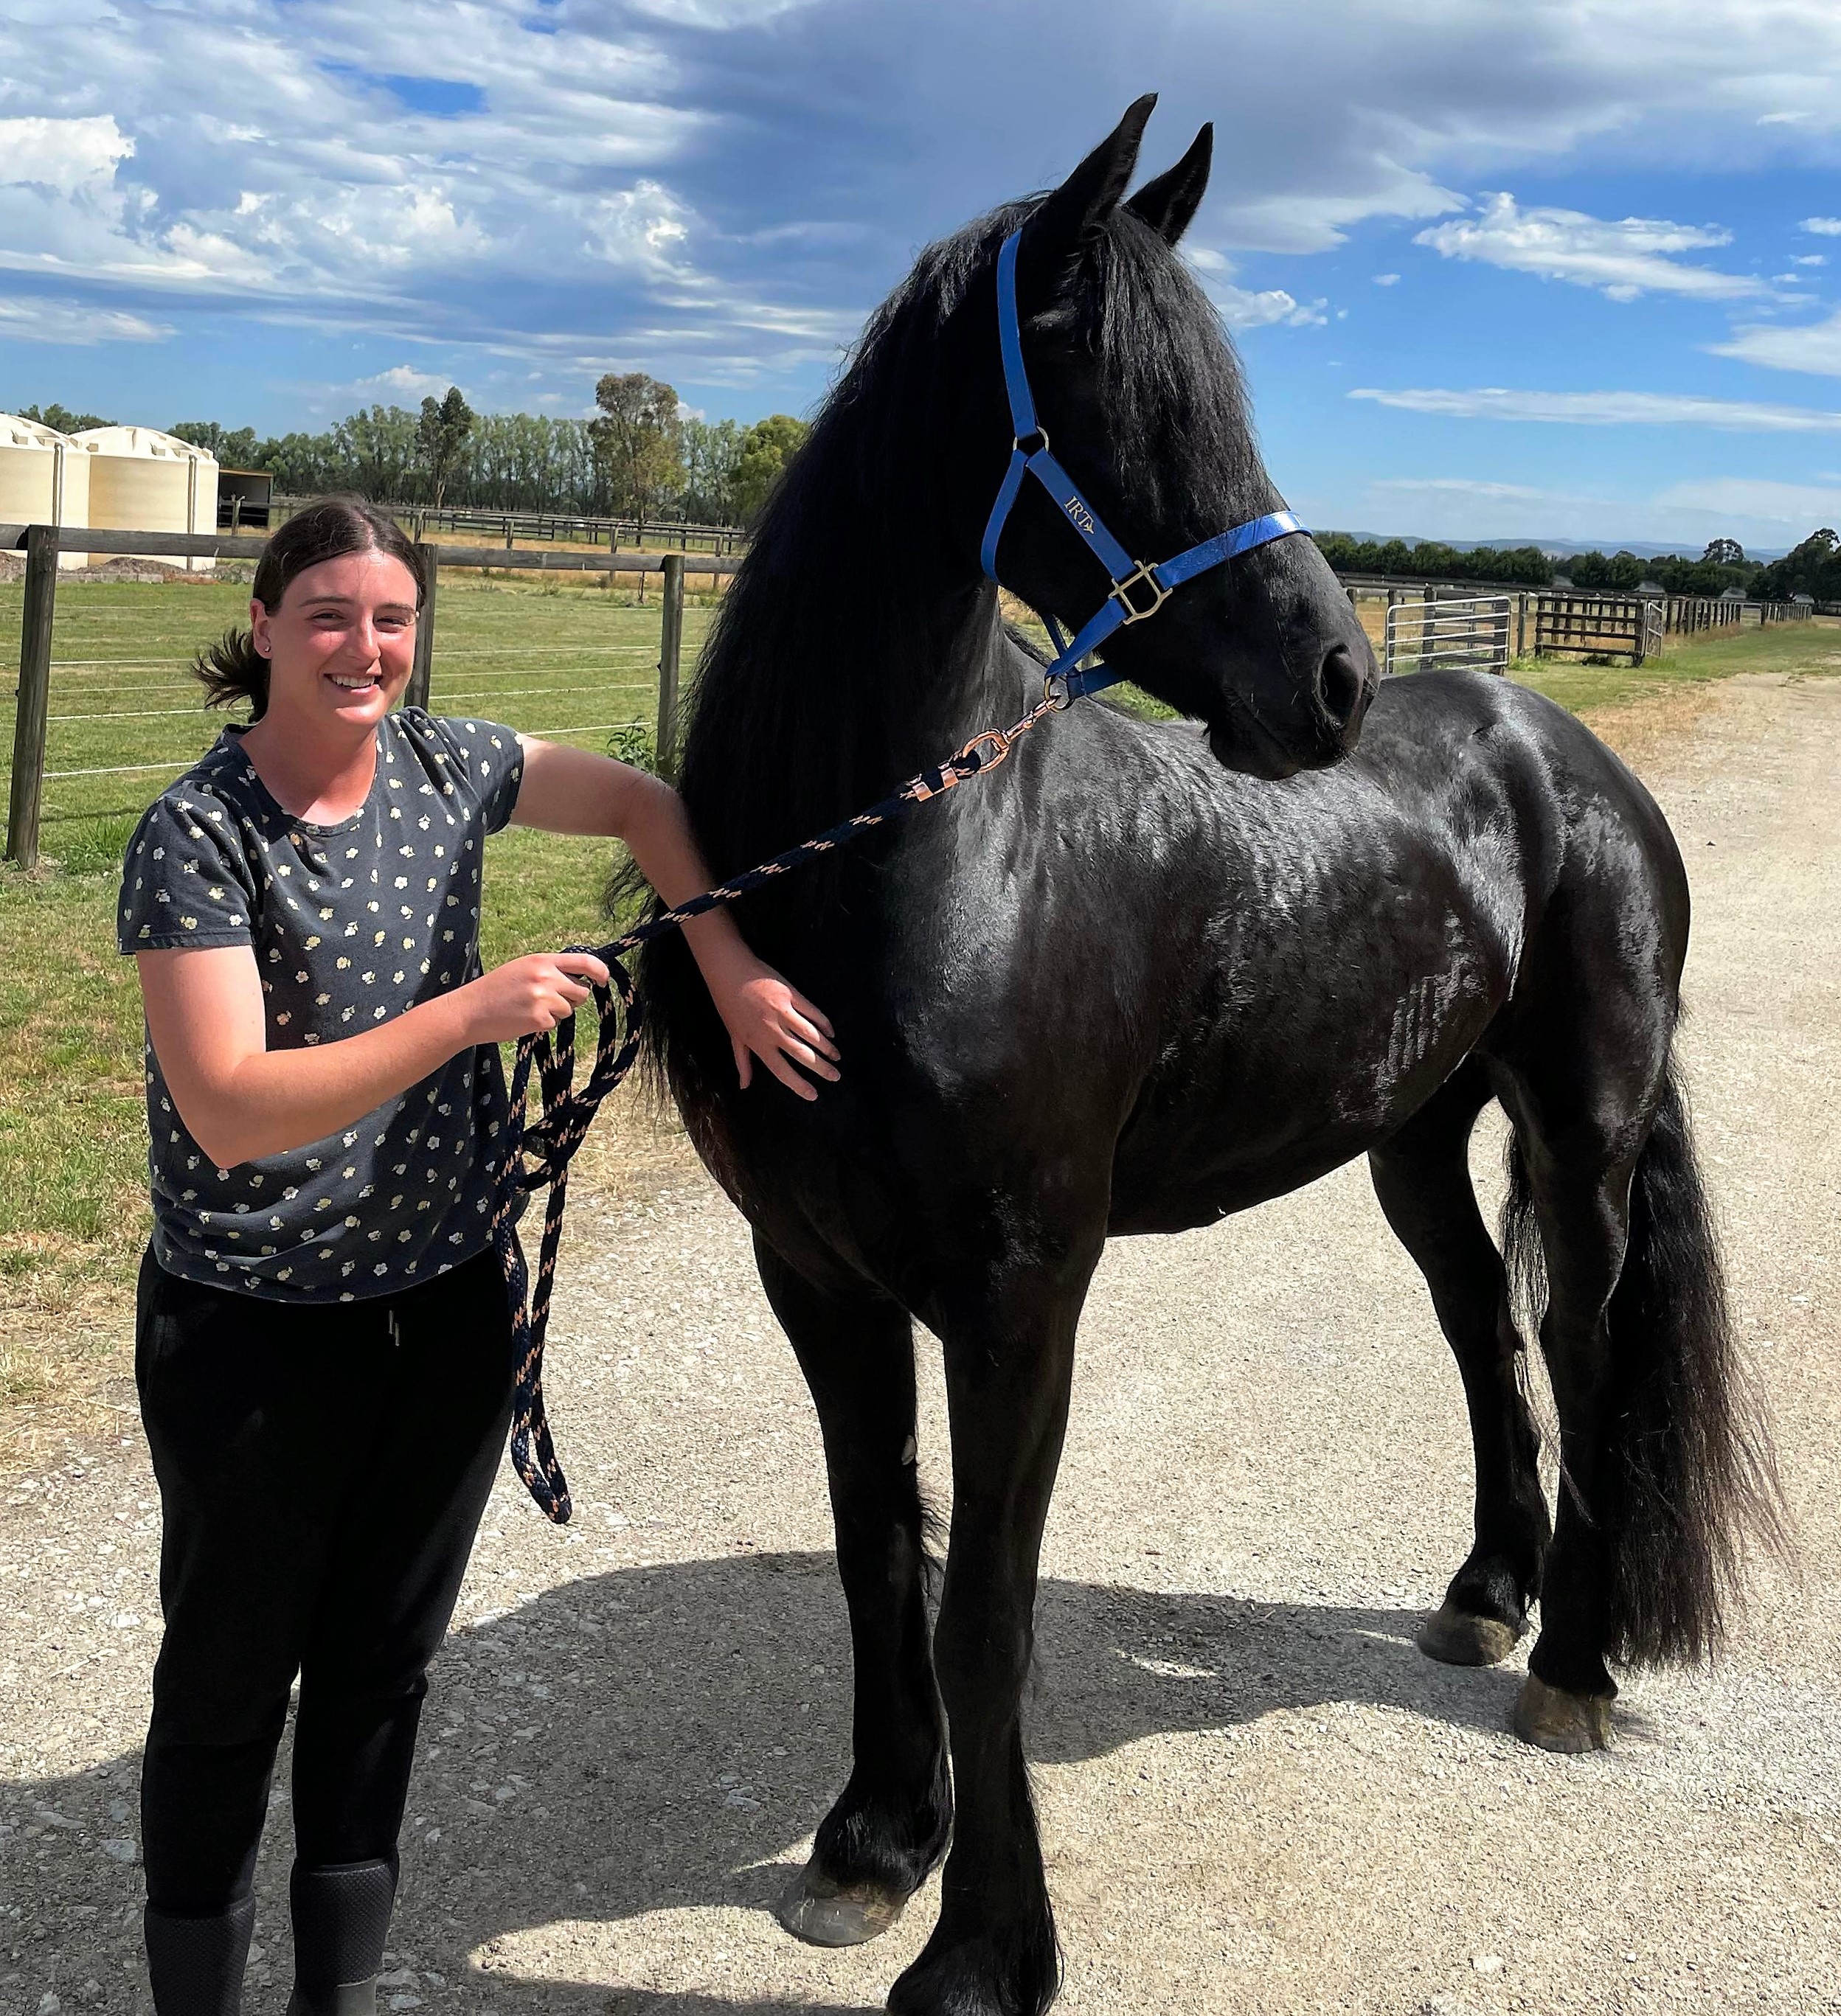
{"points": [[898, 695]]}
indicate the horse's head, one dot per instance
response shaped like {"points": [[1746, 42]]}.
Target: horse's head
{"points": [[1136, 385]]}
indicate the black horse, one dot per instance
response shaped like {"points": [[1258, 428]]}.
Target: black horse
{"points": [[1149, 974]]}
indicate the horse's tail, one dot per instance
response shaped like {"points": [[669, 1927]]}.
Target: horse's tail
{"points": [[1688, 1480]]}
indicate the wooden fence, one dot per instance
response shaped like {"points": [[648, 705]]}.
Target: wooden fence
{"points": [[43, 543], [1562, 622], [510, 526]]}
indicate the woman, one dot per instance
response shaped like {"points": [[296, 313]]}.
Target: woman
{"points": [[323, 1342]]}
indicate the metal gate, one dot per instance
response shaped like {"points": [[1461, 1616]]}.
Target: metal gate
{"points": [[1468, 633], [1653, 628], [1568, 624]]}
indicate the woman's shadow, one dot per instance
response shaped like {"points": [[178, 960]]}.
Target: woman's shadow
{"points": [[660, 1739]]}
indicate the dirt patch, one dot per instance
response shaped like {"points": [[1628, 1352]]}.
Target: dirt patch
{"points": [[133, 567]]}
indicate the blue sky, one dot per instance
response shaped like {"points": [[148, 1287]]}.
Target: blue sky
{"points": [[1571, 271]]}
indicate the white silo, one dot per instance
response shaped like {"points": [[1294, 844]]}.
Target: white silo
{"points": [[141, 481], [43, 479]]}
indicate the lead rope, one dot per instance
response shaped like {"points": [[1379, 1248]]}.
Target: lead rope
{"points": [[538, 1154]]}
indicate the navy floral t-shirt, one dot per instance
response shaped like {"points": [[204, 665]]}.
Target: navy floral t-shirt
{"points": [[351, 924]]}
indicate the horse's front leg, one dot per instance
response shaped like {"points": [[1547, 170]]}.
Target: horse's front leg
{"points": [[879, 1842], [1009, 1363]]}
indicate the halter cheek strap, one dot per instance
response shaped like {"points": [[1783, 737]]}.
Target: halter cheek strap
{"points": [[1139, 589]]}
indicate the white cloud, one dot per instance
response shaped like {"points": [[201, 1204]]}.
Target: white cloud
{"points": [[642, 226], [1462, 486], [1801, 506], [67, 155], [1245, 308], [718, 14], [33, 321], [1386, 279], [1814, 347], [1823, 227], [1609, 409], [1809, 259], [1306, 220], [1624, 258], [1242, 308], [404, 381]]}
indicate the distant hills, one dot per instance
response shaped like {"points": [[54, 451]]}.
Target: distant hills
{"points": [[1560, 549]]}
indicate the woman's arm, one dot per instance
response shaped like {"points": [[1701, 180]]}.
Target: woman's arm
{"points": [[572, 790], [241, 1100]]}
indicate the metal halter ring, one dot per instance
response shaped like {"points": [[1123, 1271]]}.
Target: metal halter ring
{"points": [[1054, 690]]}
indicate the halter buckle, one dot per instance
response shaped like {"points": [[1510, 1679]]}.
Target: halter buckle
{"points": [[1141, 576]]}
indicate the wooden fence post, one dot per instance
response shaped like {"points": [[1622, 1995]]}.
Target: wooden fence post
{"points": [[416, 693], [1521, 624], [34, 694], [671, 640]]}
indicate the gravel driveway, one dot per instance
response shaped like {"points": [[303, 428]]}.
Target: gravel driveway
{"points": [[1256, 1793]]}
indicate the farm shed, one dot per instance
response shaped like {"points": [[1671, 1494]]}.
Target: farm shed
{"points": [[244, 498]]}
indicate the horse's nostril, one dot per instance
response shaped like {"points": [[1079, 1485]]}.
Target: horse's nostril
{"points": [[1340, 687]]}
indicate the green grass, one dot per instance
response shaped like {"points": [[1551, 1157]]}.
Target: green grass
{"points": [[543, 656], [1808, 648]]}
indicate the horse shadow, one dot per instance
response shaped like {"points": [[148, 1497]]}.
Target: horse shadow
{"points": [[665, 1738]]}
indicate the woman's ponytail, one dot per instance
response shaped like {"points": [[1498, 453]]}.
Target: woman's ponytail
{"points": [[231, 670]]}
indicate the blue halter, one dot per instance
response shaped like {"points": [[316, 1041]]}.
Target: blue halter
{"points": [[1139, 589]]}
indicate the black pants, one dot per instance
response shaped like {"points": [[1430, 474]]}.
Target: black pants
{"points": [[322, 1471]]}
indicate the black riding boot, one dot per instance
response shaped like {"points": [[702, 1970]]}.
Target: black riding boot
{"points": [[341, 1920], [194, 1965]]}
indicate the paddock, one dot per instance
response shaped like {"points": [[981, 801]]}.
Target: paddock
{"points": [[1256, 1794]]}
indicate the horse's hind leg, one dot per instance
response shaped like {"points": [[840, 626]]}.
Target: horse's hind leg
{"points": [[890, 1824], [1575, 1180], [1422, 1176]]}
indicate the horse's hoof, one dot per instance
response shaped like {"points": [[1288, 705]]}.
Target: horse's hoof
{"points": [[1461, 1638], [1553, 1719], [824, 1912]]}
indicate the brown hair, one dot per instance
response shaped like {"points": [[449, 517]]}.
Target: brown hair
{"points": [[233, 669]]}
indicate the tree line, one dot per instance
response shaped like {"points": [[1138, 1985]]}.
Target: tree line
{"points": [[640, 455], [1813, 568]]}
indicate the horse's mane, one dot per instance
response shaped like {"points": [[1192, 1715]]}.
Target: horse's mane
{"points": [[846, 627]]}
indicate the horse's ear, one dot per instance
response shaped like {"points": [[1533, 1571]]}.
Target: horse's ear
{"points": [[1087, 198], [1169, 201]]}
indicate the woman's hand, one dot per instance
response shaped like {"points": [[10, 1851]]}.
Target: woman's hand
{"points": [[527, 996], [767, 1019], [569, 791]]}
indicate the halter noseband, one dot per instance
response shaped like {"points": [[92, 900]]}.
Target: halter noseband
{"points": [[1139, 589]]}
